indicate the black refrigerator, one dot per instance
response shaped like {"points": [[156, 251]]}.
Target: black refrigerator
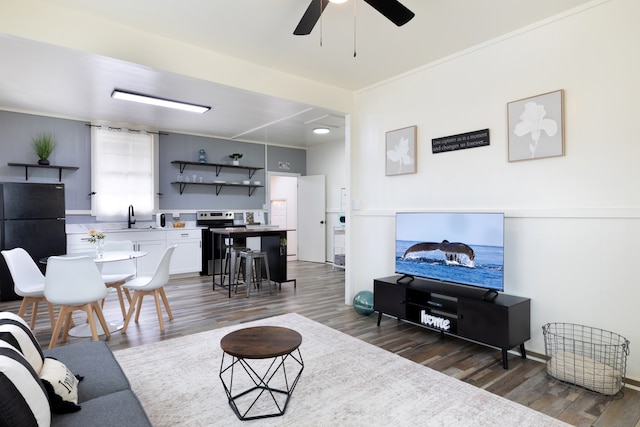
{"points": [[32, 217]]}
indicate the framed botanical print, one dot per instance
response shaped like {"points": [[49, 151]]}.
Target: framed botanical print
{"points": [[536, 127], [400, 145]]}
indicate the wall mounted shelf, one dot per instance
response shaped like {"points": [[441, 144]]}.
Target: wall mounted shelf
{"points": [[26, 167], [218, 166], [251, 187]]}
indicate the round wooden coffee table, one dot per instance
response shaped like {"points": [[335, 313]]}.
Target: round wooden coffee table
{"points": [[272, 365]]}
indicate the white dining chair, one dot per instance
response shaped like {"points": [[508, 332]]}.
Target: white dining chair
{"points": [[117, 273], [75, 284], [28, 282], [151, 285]]}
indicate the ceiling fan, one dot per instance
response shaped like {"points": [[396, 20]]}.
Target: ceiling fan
{"points": [[391, 9]]}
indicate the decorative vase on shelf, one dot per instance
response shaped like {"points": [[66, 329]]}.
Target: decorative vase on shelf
{"points": [[43, 145], [202, 156], [99, 248], [235, 158]]}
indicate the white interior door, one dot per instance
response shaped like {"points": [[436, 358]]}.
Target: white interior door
{"points": [[311, 218]]}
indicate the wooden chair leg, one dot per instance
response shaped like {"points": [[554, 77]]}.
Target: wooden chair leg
{"points": [[103, 322], [166, 303], [141, 295], [34, 311], [23, 307], [88, 308], [52, 317], [121, 299], [126, 292], [57, 327], [132, 306], [156, 298], [68, 321], [118, 287]]}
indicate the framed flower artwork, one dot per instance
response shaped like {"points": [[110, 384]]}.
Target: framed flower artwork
{"points": [[536, 127], [400, 145]]}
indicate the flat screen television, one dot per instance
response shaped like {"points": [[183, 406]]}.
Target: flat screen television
{"points": [[460, 248]]}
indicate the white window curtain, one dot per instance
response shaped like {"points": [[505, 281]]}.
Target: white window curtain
{"points": [[122, 172]]}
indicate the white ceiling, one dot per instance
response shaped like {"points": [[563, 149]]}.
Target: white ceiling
{"points": [[78, 85]]}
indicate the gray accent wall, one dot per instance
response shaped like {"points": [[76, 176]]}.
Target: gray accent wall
{"points": [[73, 148], [73, 139], [288, 160], [186, 148]]}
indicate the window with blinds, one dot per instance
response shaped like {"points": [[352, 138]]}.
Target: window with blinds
{"points": [[122, 172]]}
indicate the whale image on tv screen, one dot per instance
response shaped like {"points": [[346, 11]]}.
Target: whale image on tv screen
{"points": [[462, 248]]}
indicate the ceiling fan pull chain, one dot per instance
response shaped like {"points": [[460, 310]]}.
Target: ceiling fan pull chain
{"points": [[321, 9], [354, 28]]}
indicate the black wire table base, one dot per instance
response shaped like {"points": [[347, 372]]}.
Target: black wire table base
{"points": [[263, 387]]}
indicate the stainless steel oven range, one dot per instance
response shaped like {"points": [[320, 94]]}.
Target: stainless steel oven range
{"points": [[212, 219]]}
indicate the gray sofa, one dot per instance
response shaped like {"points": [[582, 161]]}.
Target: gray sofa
{"points": [[104, 394]]}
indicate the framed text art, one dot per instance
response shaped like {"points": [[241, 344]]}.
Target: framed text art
{"points": [[536, 127], [400, 146]]}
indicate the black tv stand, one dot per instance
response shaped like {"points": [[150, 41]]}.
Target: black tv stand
{"points": [[496, 320]]}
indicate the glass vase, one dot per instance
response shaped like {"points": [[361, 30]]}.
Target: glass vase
{"points": [[99, 248]]}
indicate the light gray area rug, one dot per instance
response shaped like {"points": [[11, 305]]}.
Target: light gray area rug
{"points": [[345, 382]]}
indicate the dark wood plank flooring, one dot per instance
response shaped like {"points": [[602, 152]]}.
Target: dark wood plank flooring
{"points": [[320, 296]]}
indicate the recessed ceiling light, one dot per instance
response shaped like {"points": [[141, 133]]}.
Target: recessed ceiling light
{"points": [[321, 131], [160, 102]]}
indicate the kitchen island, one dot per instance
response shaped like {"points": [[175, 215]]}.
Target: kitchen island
{"points": [[273, 241]]}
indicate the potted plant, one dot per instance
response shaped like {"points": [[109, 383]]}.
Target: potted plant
{"points": [[235, 158], [43, 146]]}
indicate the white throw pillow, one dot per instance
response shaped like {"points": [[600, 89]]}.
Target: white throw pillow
{"points": [[61, 385]]}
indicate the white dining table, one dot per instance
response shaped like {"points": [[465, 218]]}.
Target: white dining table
{"points": [[83, 330]]}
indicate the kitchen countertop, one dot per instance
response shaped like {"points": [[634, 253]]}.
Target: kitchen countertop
{"points": [[122, 227]]}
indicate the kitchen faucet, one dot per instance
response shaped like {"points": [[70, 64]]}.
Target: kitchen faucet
{"points": [[131, 215]]}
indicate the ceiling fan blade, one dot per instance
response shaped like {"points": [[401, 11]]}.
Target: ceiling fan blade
{"points": [[310, 17], [393, 10]]}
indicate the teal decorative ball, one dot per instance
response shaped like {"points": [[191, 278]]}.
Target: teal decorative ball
{"points": [[363, 303]]}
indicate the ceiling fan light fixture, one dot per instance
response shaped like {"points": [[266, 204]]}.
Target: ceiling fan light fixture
{"points": [[321, 131], [160, 102]]}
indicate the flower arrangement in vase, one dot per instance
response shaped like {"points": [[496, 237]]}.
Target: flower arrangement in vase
{"points": [[98, 238]]}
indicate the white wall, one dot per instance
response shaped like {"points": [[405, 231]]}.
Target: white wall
{"points": [[573, 222]]}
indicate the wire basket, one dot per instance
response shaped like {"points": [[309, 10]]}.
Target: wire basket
{"points": [[588, 357]]}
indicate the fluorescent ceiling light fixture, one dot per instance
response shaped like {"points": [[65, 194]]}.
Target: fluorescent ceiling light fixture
{"points": [[160, 102], [321, 131]]}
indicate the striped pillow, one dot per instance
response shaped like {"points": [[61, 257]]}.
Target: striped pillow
{"points": [[24, 400], [15, 331]]}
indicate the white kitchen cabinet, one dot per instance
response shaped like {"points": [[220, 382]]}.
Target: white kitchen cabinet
{"points": [[152, 242], [187, 258], [77, 243]]}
